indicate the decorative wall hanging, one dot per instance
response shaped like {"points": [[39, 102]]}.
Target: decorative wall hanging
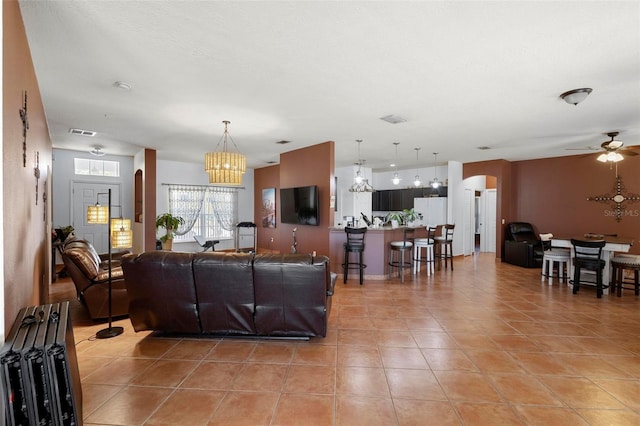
{"points": [[25, 127], [618, 198], [36, 173], [269, 208]]}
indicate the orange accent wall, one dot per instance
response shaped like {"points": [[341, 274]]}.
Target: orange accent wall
{"points": [[27, 226], [313, 165]]}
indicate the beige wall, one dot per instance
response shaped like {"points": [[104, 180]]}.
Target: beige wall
{"points": [[27, 226]]}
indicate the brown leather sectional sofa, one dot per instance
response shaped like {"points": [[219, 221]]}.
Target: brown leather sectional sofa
{"points": [[229, 293]]}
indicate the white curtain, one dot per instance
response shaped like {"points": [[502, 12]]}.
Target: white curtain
{"points": [[186, 201], [223, 209]]}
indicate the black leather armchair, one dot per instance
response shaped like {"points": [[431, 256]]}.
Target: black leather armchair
{"points": [[522, 247]]}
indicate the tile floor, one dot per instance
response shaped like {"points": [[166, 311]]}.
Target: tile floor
{"points": [[485, 344]]}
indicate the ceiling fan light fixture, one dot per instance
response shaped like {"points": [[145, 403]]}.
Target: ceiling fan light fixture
{"points": [[576, 96], [612, 157]]}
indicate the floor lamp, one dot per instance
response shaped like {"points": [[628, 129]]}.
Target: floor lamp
{"points": [[120, 236]]}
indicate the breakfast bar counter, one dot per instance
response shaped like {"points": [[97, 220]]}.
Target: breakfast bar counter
{"points": [[376, 252]]}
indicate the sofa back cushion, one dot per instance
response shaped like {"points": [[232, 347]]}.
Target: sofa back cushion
{"points": [[84, 256], [521, 232], [291, 294], [224, 288], [161, 291]]}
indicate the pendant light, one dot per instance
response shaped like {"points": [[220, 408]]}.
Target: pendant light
{"points": [[361, 184], [435, 183], [223, 166], [396, 179], [417, 182], [358, 175]]}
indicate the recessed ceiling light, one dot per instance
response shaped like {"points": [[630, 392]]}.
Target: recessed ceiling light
{"points": [[82, 132], [393, 119]]}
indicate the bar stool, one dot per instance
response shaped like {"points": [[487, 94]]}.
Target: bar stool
{"points": [[396, 253], [444, 245], [354, 244], [552, 255], [621, 263], [588, 255], [427, 244]]}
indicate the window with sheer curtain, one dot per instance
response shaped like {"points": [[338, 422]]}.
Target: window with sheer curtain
{"points": [[209, 211]]}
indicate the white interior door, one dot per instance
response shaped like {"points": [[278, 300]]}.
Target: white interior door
{"points": [[468, 225], [488, 201], [84, 194]]}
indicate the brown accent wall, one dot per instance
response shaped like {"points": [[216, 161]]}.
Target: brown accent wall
{"points": [[551, 193], [313, 165], [150, 199], [263, 178], [27, 226]]}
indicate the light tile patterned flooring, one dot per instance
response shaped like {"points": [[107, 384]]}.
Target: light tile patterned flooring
{"points": [[485, 344]]}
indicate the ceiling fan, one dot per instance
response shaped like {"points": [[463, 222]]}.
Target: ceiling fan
{"points": [[614, 149]]}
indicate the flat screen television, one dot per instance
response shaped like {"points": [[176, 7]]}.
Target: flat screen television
{"points": [[299, 205]]}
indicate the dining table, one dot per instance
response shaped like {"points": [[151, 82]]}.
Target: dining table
{"points": [[613, 244]]}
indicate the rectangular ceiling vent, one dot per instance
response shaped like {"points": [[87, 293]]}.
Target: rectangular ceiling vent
{"points": [[393, 119], [82, 132]]}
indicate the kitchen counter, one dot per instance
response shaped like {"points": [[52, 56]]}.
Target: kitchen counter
{"points": [[376, 252]]}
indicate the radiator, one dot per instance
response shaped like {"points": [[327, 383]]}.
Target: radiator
{"points": [[40, 378]]}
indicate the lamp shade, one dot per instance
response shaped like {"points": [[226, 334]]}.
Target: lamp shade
{"points": [[225, 167], [97, 214], [122, 238], [119, 224]]}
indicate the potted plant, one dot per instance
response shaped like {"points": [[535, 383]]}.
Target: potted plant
{"points": [[395, 218], [170, 223], [409, 216]]}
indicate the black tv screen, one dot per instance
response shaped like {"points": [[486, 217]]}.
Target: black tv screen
{"points": [[299, 205]]}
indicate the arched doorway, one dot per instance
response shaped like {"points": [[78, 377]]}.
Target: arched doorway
{"points": [[480, 214]]}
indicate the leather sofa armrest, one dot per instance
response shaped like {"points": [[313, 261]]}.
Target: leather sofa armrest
{"points": [[332, 283], [115, 258]]}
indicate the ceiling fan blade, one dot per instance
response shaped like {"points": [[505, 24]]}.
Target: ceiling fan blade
{"points": [[628, 153], [586, 148]]}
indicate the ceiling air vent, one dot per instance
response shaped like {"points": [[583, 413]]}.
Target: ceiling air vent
{"points": [[393, 119], [283, 142], [82, 132]]}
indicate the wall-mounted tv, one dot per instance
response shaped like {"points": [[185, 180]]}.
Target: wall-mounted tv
{"points": [[299, 205]]}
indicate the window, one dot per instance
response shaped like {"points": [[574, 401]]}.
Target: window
{"points": [[211, 212], [87, 167]]}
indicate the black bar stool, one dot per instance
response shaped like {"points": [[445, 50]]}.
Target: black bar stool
{"points": [[444, 245], [354, 244], [621, 263], [396, 253]]}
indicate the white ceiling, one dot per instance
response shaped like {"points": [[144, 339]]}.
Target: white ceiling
{"points": [[462, 74]]}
